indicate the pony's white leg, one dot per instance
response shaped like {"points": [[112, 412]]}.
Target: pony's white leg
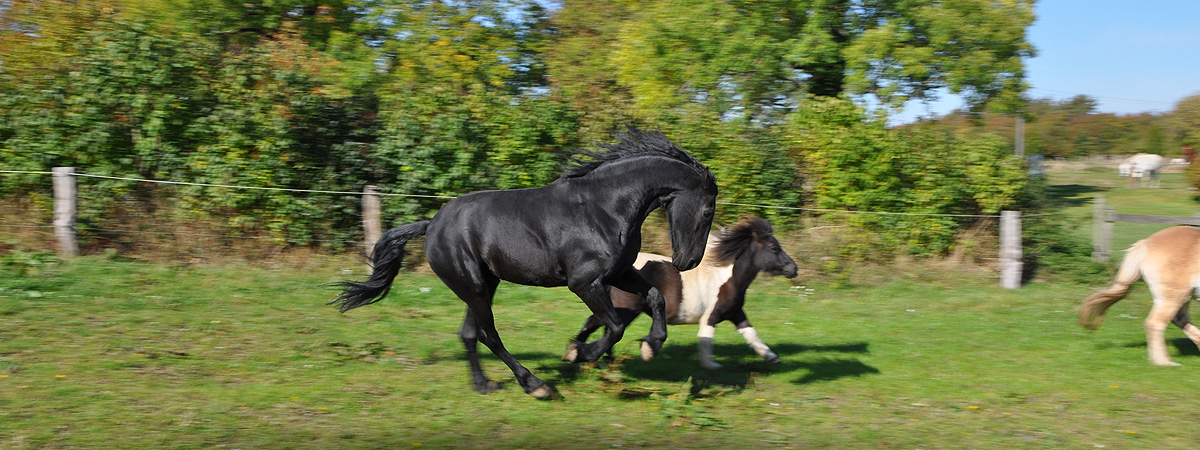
{"points": [[706, 345], [1161, 314], [757, 344]]}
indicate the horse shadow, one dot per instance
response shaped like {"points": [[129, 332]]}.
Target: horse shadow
{"points": [[1068, 195], [678, 363], [1185, 346]]}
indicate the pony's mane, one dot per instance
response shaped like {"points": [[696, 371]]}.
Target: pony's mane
{"points": [[734, 241], [631, 144]]}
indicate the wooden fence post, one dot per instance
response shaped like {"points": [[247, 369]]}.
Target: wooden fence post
{"points": [[1102, 229], [372, 226], [1010, 249], [64, 211]]}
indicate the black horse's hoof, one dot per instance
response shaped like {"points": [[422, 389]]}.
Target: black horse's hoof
{"points": [[650, 349], [542, 392], [572, 352]]}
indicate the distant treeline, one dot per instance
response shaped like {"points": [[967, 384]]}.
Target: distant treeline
{"points": [[1073, 128], [446, 97]]}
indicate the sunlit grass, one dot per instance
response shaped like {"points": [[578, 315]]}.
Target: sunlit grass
{"points": [[102, 354]]}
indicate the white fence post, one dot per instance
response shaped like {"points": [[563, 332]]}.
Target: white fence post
{"points": [[372, 226], [1010, 249], [64, 211]]}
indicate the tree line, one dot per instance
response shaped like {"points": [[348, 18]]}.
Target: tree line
{"points": [[440, 98], [1074, 128]]}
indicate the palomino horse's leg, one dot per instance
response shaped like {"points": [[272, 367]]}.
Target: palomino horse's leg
{"points": [[1184, 322], [477, 290], [1168, 301]]}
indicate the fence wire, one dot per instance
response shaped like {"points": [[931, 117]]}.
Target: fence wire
{"points": [[385, 194]]}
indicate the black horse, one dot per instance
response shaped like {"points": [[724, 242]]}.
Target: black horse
{"points": [[582, 231]]}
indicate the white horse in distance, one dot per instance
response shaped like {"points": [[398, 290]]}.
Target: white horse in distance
{"points": [[1141, 164]]}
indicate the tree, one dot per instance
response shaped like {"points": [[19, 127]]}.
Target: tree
{"points": [[759, 59], [1184, 121]]}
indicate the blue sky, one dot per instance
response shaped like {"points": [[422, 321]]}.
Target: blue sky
{"points": [[1131, 57]]}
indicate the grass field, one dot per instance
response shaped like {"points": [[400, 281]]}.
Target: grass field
{"points": [[1077, 190], [102, 353]]}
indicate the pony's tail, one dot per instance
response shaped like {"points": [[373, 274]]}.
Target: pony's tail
{"points": [[1091, 311], [385, 262]]}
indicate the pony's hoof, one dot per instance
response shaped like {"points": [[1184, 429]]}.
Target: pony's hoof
{"points": [[572, 352], [647, 351], [709, 365], [542, 392], [772, 358]]}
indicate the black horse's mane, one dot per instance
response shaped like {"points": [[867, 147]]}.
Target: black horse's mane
{"points": [[632, 143], [734, 241]]}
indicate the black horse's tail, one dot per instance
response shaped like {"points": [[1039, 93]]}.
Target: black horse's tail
{"points": [[385, 260]]}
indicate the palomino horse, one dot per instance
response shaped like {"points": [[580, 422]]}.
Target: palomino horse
{"points": [[582, 231], [1169, 261], [713, 292]]}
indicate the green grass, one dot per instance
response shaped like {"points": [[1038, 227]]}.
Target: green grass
{"points": [[1077, 191], [104, 354]]}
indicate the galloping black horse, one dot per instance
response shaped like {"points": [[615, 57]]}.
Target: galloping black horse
{"points": [[582, 231]]}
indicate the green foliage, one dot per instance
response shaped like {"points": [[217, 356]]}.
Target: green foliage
{"points": [[904, 50], [1052, 249], [861, 166], [439, 98], [1185, 121]]}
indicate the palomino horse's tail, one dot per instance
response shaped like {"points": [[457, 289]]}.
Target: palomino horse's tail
{"points": [[385, 260], [1091, 311]]}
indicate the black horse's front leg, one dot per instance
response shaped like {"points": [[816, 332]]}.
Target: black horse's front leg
{"points": [[633, 282], [653, 342]]}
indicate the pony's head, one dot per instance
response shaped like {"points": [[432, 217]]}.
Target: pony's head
{"points": [[755, 238]]}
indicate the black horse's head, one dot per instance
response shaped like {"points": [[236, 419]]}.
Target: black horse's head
{"points": [[689, 218], [755, 238], [682, 186]]}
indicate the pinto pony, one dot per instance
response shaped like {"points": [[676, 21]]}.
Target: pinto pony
{"points": [[582, 231], [713, 292], [1169, 261]]}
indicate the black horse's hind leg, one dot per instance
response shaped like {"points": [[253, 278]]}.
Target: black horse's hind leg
{"points": [[470, 338], [477, 290]]}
